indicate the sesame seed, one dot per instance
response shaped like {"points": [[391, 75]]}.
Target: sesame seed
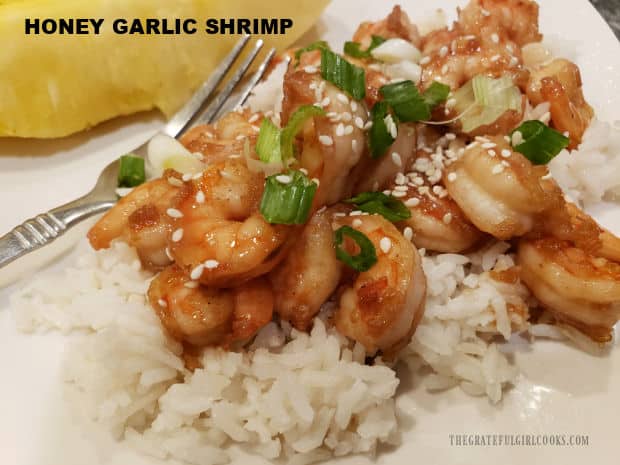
{"points": [[200, 197], [450, 103], [495, 58], [177, 235], [491, 153], [255, 128], [387, 192], [485, 12], [340, 130], [359, 122], [437, 190], [368, 125], [346, 116], [356, 213], [198, 156], [210, 135], [444, 69], [325, 102], [505, 163], [339, 215], [186, 177], [507, 139], [506, 153], [401, 188], [385, 244], [175, 182], [396, 159], [517, 138], [348, 130], [495, 38], [450, 136], [326, 140], [357, 223], [489, 145], [497, 169], [398, 194], [443, 51], [354, 145], [240, 137], [233, 243], [304, 171], [425, 61], [353, 105], [168, 254], [469, 37], [316, 181], [210, 264], [343, 98], [284, 179], [253, 118], [408, 233], [191, 284], [391, 126], [331, 114], [196, 273], [310, 69], [452, 177], [400, 179], [514, 61], [447, 218], [162, 303], [174, 213], [510, 48]]}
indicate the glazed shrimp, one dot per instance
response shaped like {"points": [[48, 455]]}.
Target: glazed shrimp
{"points": [[499, 190], [395, 25], [580, 289], [226, 137], [204, 316], [309, 274], [219, 236], [559, 83], [139, 219], [332, 145], [382, 307]]}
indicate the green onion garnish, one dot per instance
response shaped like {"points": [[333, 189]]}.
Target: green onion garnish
{"points": [[540, 143], [483, 100], [387, 206], [268, 142], [318, 45], [380, 137], [287, 198], [407, 102], [131, 171], [343, 74], [353, 48], [367, 256], [294, 125]]}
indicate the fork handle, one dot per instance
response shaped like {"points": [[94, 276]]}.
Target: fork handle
{"points": [[43, 229]]}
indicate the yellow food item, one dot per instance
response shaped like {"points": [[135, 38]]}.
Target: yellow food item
{"points": [[54, 85]]}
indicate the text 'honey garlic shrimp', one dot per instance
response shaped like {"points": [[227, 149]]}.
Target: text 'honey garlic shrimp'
{"points": [[580, 289], [309, 274], [140, 219], [204, 316], [331, 145], [382, 306], [219, 236]]}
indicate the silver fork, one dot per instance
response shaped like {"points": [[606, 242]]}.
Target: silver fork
{"points": [[46, 227]]}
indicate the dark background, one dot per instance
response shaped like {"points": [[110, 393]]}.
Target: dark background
{"points": [[610, 9]]}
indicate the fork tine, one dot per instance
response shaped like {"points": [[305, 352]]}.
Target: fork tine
{"points": [[182, 118], [257, 76], [211, 111]]}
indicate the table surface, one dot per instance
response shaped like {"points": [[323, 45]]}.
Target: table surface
{"points": [[610, 9]]}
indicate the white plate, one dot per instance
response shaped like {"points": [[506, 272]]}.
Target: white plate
{"points": [[561, 391]]}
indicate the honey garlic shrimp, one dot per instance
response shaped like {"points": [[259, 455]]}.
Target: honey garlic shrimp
{"points": [[580, 289], [331, 145], [219, 236], [205, 316], [382, 306], [309, 274], [139, 219]]}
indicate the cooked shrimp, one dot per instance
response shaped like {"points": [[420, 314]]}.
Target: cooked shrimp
{"points": [[204, 316], [309, 274], [219, 236], [226, 137], [559, 83], [139, 219], [395, 25], [332, 145], [383, 306], [499, 190], [580, 289]]}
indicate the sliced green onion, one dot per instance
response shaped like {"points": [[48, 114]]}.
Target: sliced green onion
{"points": [[354, 50], [287, 198], [541, 144], [343, 74], [318, 45], [131, 171], [380, 138], [407, 102], [387, 206], [483, 100], [268, 142], [294, 125], [367, 256]]}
